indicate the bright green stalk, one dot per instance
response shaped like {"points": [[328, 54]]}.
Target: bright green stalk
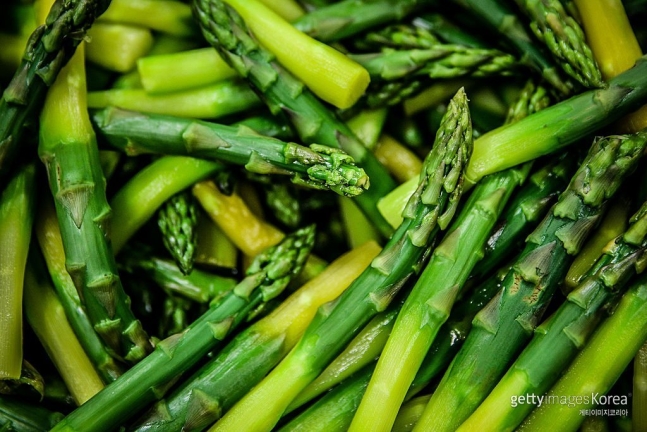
{"points": [[349, 17], [315, 123], [198, 286], [215, 387], [16, 216], [334, 411], [18, 416], [166, 16], [182, 70], [212, 101], [46, 317], [559, 125], [177, 221], [564, 38], [69, 150], [147, 381], [117, 47], [495, 14], [557, 340], [432, 206], [639, 395], [500, 330], [316, 166], [49, 238], [597, 367], [409, 414], [138, 199], [49, 48], [361, 351], [358, 229], [432, 298], [367, 125]]}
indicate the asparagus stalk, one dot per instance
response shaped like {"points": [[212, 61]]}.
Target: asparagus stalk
{"points": [[16, 215], [317, 166], [432, 298], [46, 317], [117, 47], [409, 414], [447, 31], [639, 395], [597, 366], [430, 208], [349, 17], [49, 48], [147, 381], [226, 31], [564, 38], [213, 389], [49, 238], [166, 16], [69, 151], [19, 416], [506, 323], [397, 36], [557, 340], [177, 221]]}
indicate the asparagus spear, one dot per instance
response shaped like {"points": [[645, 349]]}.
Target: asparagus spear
{"points": [[16, 215], [557, 340], [215, 387], [49, 48], [430, 208], [564, 38], [317, 166], [226, 31], [266, 278], [506, 323], [19, 416], [432, 298], [69, 150], [177, 221], [397, 36], [597, 366]]}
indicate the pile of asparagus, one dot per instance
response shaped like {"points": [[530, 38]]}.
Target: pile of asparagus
{"points": [[320, 215]]}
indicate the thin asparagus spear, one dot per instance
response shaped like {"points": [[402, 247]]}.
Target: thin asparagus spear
{"points": [[432, 298], [177, 221], [564, 38], [17, 203], [349, 17], [597, 366], [409, 414], [315, 166], [226, 31], [49, 238], [49, 48], [213, 389], [46, 317], [18, 416], [557, 340], [397, 36], [430, 208], [69, 150], [506, 323], [147, 381]]}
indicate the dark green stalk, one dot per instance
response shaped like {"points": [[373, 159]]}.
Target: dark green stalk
{"points": [[559, 339], [507, 322], [49, 48], [18, 416], [147, 381], [269, 125], [499, 17], [564, 38], [397, 36], [316, 166], [349, 17], [440, 26], [315, 123], [430, 207], [177, 221]]}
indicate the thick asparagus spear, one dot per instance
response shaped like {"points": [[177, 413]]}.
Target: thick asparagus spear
{"points": [[557, 340], [564, 38], [506, 323], [253, 353], [49, 48], [315, 123], [69, 150], [266, 278], [317, 166], [431, 207], [177, 221]]}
